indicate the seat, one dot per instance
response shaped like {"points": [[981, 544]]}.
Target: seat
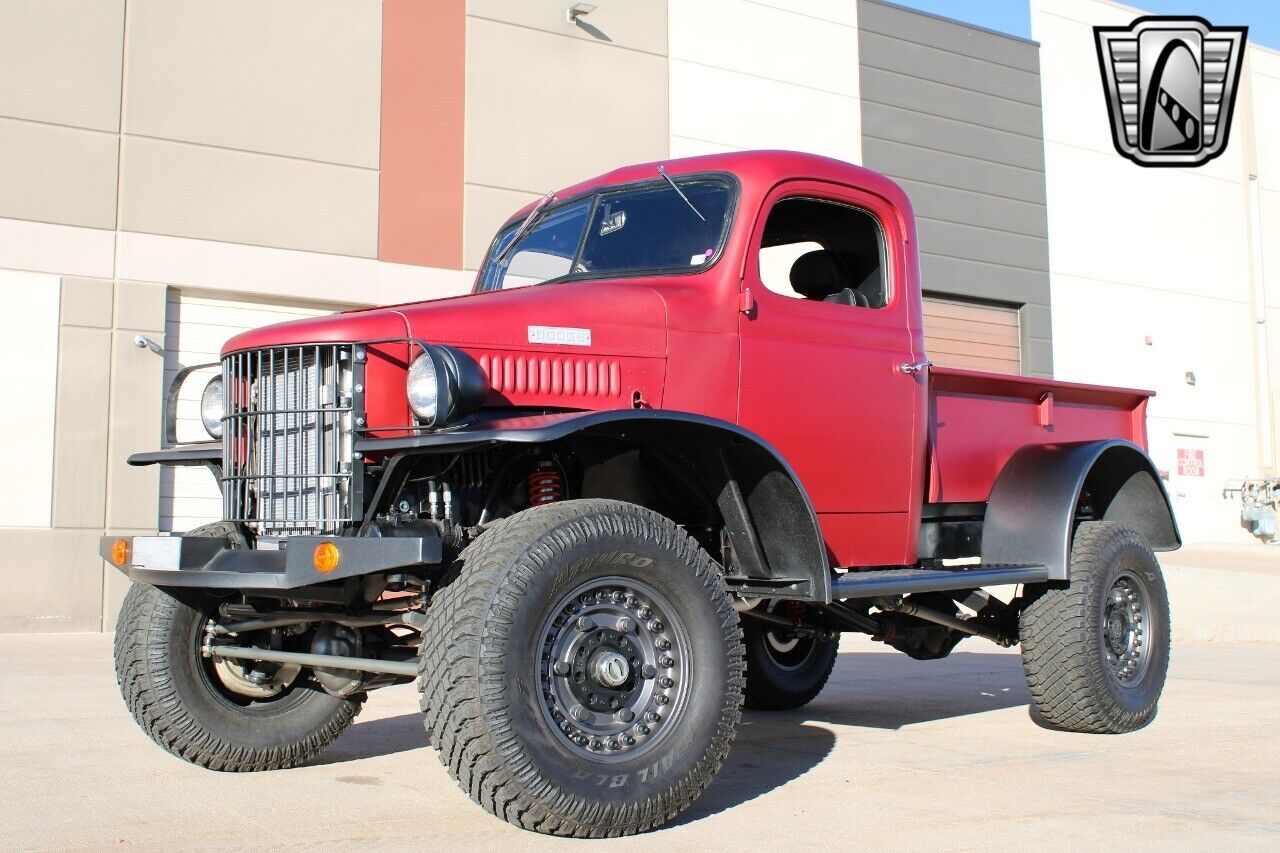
{"points": [[823, 275]]}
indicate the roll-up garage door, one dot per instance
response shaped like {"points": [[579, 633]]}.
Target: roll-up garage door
{"points": [[197, 324], [972, 335]]}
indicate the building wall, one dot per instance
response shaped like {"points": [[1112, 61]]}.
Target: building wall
{"points": [[952, 112], [149, 146], [787, 77], [1153, 270], [550, 103]]}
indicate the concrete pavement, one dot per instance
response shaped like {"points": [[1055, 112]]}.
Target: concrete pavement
{"points": [[895, 753]]}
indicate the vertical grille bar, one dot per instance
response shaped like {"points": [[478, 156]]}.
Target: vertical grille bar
{"points": [[289, 417]]}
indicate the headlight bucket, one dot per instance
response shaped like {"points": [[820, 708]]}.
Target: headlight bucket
{"points": [[213, 407], [444, 384]]}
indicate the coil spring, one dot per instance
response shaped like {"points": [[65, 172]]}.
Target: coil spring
{"points": [[546, 485]]}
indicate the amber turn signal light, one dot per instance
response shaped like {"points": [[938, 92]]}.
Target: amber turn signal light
{"points": [[326, 557], [120, 552]]}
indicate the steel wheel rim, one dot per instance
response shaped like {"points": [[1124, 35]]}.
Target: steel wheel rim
{"points": [[1126, 629], [787, 650], [222, 678], [614, 669]]}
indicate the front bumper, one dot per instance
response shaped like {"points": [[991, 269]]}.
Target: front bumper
{"points": [[211, 562]]}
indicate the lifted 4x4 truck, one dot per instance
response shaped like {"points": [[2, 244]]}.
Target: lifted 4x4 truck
{"points": [[595, 516]]}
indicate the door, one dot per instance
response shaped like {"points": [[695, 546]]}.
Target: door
{"points": [[835, 318]]}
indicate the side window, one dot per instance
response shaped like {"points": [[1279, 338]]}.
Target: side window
{"points": [[825, 252]]}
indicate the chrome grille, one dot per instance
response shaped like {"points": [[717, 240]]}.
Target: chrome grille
{"points": [[287, 439]]}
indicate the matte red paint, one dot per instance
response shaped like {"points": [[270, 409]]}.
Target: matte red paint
{"points": [[821, 383]]}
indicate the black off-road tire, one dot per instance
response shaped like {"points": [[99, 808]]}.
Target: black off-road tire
{"points": [[1064, 647], [172, 695], [480, 662], [779, 681]]}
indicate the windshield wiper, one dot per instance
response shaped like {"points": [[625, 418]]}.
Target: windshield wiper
{"points": [[525, 226], [663, 172]]}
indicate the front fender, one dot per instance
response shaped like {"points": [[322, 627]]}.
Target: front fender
{"points": [[764, 506], [1032, 511]]}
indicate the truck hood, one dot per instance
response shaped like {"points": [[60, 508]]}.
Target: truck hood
{"points": [[596, 318], [580, 345]]}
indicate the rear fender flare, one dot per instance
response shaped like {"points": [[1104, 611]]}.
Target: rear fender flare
{"points": [[1032, 512]]}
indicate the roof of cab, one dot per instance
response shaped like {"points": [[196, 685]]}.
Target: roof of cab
{"points": [[756, 170]]}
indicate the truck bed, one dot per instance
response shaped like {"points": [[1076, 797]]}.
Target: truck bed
{"points": [[978, 420]]}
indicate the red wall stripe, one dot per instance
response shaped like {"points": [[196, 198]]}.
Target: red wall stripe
{"points": [[423, 116]]}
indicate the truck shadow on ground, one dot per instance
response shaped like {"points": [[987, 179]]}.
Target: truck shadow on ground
{"points": [[871, 690], [866, 690]]}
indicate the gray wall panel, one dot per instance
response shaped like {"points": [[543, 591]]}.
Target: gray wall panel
{"points": [[952, 112], [976, 75], [899, 88], [934, 166], [898, 124], [932, 31], [981, 209]]}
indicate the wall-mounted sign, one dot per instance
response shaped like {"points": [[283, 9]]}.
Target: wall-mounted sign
{"points": [[1190, 462]]}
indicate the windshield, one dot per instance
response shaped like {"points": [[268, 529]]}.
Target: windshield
{"points": [[646, 228]]}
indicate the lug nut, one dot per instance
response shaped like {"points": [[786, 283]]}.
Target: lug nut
{"points": [[614, 744], [629, 740], [653, 717], [663, 643], [644, 613], [662, 698], [655, 625], [584, 623], [561, 668], [666, 660], [625, 715], [666, 682], [644, 730], [596, 744], [579, 713], [624, 625]]}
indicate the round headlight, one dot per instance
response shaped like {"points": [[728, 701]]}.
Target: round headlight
{"points": [[444, 384], [423, 387], [213, 407]]}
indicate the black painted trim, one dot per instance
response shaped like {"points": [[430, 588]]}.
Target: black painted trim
{"points": [[1032, 511]]}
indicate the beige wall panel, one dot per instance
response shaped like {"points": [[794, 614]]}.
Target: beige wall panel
{"points": [[80, 431], [486, 209], [137, 377], [87, 302], [295, 77], [62, 61], [215, 194], [637, 24], [57, 174], [544, 112], [68, 593]]}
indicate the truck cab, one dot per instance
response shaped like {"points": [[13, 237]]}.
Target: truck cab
{"points": [[681, 435]]}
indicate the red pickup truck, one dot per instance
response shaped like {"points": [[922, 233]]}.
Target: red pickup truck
{"points": [[683, 434]]}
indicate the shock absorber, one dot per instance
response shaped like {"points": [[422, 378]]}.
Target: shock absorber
{"points": [[546, 484]]}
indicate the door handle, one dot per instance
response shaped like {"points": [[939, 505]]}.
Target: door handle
{"points": [[912, 369]]}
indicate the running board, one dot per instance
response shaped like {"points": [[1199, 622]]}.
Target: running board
{"points": [[885, 582]]}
